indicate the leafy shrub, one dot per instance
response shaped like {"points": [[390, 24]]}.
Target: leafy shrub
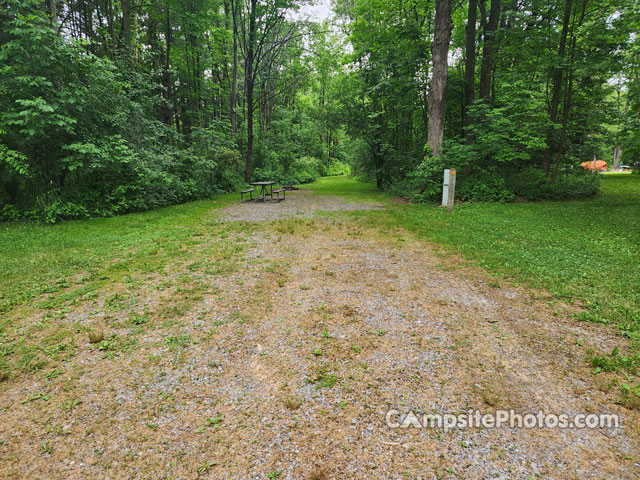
{"points": [[338, 168], [501, 185], [299, 171], [497, 165], [484, 186], [80, 137], [9, 212], [533, 184], [304, 170], [508, 135]]}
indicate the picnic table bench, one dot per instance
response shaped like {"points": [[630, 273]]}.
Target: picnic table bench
{"points": [[278, 192], [250, 191], [266, 192]]}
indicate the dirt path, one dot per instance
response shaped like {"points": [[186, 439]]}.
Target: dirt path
{"points": [[285, 366]]}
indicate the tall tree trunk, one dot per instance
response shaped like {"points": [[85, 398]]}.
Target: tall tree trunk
{"points": [[488, 50], [378, 163], [126, 28], [617, 151], [439, 52], [565, 121], [557, 86], [469, 68], [110, 26], [166, 72], [568, 69], [136, 39], [233, 100], [53, 12], [249, 80]]}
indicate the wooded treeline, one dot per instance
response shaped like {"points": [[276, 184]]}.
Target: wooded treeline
{"points": [[533, 88], [109, 106]]}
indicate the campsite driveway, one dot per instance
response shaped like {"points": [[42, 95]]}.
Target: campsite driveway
{"points": [[277, 347]]}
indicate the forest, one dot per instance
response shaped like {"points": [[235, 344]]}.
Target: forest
{"points": [[114, 106]]}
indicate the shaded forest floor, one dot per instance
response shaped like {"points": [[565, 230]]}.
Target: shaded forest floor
{"points": [[210, 341]]}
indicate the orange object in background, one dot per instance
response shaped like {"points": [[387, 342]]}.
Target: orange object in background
{"points": [[601, 166]]}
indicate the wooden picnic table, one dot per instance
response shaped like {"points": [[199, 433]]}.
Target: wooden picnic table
{"points": [[266, 190]]}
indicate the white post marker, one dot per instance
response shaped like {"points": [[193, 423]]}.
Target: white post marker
{"points": [[448, 189]]}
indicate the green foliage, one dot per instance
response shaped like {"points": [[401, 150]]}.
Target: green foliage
{"points": [[496, 166], [80, 135], [533, 184], [484, 186], [15, 162], [492, 184], [521, 124], [99, 120], [510, 134], [615, 362], [299, 171], [338, 168]]}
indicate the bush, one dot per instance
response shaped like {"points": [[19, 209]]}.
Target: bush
{"points": [[485, 186], [497, 165], [502, 185], [533, 184], [302, 170], [8, 212], [338, 168], [79, 137]]}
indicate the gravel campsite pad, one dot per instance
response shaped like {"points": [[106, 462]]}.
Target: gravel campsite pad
{"points": [[296, 204], [275, 342]]}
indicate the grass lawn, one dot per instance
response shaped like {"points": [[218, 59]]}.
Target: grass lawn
{"points": [[586, 250], [36, 259], [194, 336]]}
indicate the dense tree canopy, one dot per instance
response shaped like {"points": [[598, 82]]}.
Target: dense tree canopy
{"points": [[529, 95], [109, 106]]}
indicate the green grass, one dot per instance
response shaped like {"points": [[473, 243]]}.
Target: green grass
{"points": [[348, 188], [36, 259], [78, 261], [587, 250]]}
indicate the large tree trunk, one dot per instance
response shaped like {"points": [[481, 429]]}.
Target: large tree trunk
{"points": [[568, 89], [166, 72], [53, 12], [126, 25], [488, 50], [249, 80], [617, 151], [469, 68], [110, 27], [124, 43], [233, 100], [557, 86], [439, 52]]}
